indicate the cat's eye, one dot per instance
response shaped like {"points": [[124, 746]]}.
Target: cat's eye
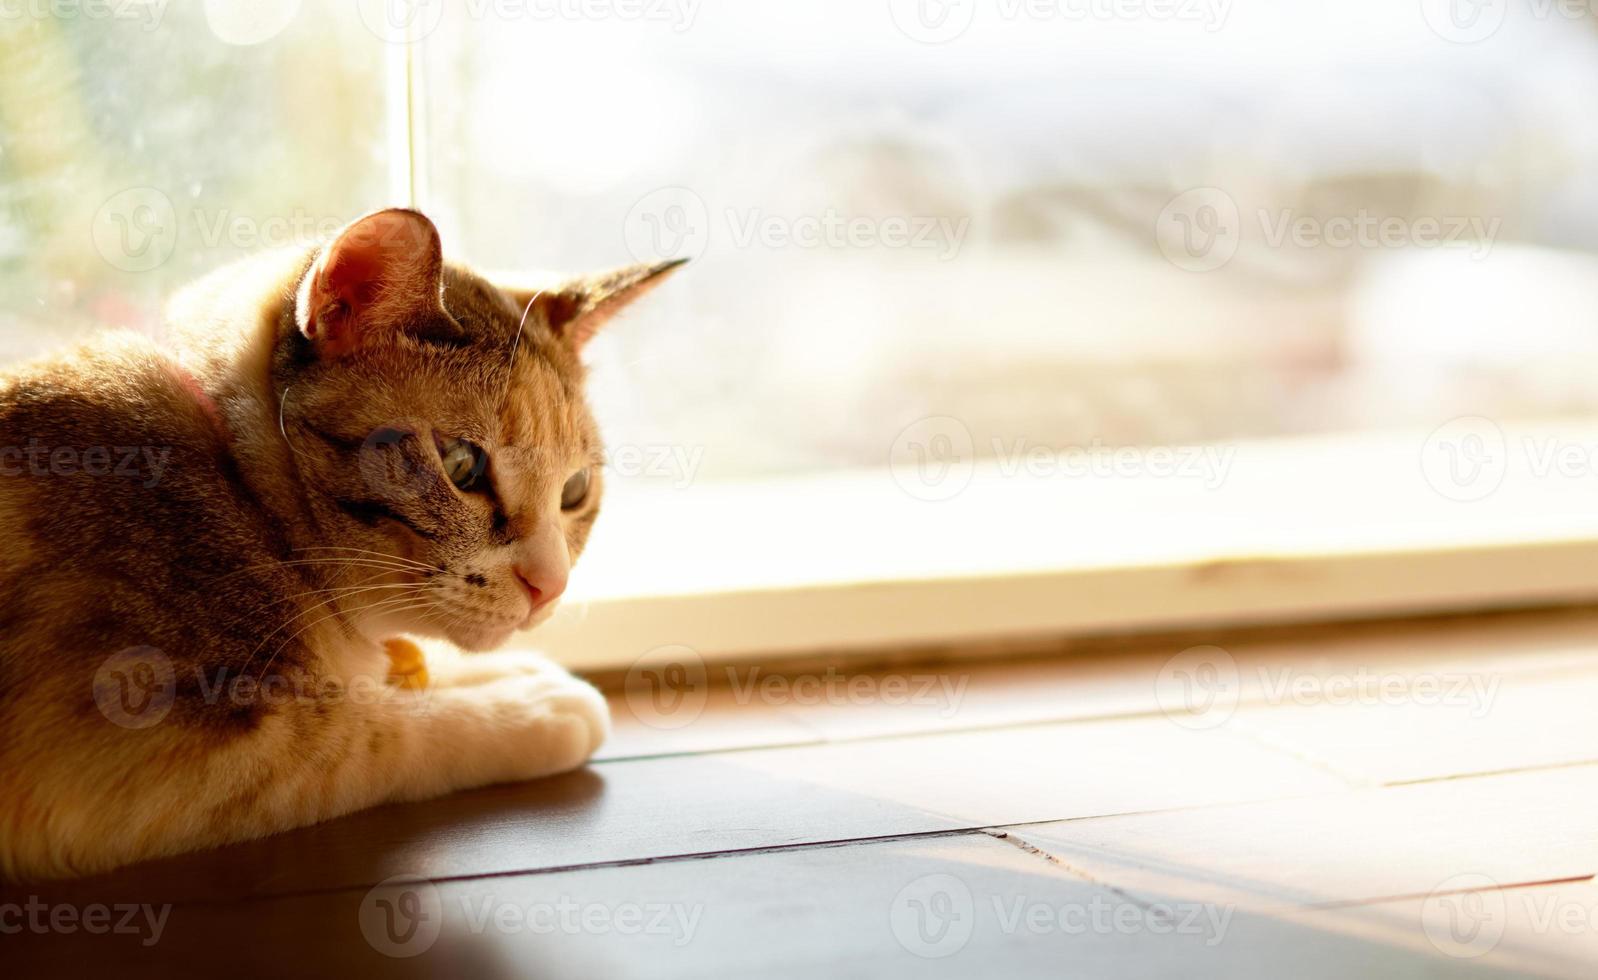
{"points": [[464, 463], [575, 493]]}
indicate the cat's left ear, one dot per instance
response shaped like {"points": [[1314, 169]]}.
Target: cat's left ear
{"points": [[576, 309]]}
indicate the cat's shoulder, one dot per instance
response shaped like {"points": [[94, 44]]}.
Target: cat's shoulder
{"points": [[119, 382]]}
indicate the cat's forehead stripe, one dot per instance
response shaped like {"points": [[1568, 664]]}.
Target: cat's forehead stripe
{"points": [[536, 410]]}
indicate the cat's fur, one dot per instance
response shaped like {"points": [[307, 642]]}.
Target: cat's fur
{"points": [[285, 514]]}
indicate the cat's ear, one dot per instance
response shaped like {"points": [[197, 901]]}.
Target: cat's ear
{"points": [[383, 273], [575, 309]]}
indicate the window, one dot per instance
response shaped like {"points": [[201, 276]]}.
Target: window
{"points": [[1108, 315]]}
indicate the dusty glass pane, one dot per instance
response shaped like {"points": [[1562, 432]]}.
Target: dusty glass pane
{"points": [[144, 143]]}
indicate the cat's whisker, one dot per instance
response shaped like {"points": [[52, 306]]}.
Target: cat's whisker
{"points": [[422, 565], [515, 344], [349, 562], [257, 610], [355, 589], [369, 607], [282, 404], [339, 593], [434, 615], [306, 612], [345, 562]]}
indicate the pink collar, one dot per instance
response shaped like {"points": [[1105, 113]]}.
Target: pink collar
{"points": [[208, 405]]}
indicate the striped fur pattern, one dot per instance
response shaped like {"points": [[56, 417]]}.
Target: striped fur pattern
{"points": [[208, 541]]}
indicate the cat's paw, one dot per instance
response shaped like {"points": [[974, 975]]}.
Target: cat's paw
{"points": [[455, 669], [561, 720]]}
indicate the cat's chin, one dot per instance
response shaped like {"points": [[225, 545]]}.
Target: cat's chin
{"points": [[475, 636], [479, 639]]}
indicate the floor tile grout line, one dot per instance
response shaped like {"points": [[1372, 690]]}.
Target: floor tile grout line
{"points": [[1453, 777], [952, 832], [1014, 838], [973, 830], [822, 738], [1287, 748], [1355, 903], [1150, 715], [988, 830]]}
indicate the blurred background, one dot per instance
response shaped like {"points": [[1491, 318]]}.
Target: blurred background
{"points": [[1081, 222]]}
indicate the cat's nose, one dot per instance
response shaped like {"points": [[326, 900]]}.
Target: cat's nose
{"points": [[543, 568], [544, 584]]}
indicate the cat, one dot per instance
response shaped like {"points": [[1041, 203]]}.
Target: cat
{"points": [[209, 542]]}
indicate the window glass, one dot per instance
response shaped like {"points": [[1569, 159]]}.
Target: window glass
{"points": [[1058, 224], [143, 143]]}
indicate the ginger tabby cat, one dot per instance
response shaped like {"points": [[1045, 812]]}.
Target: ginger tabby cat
{"points": [[213, 546]]}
